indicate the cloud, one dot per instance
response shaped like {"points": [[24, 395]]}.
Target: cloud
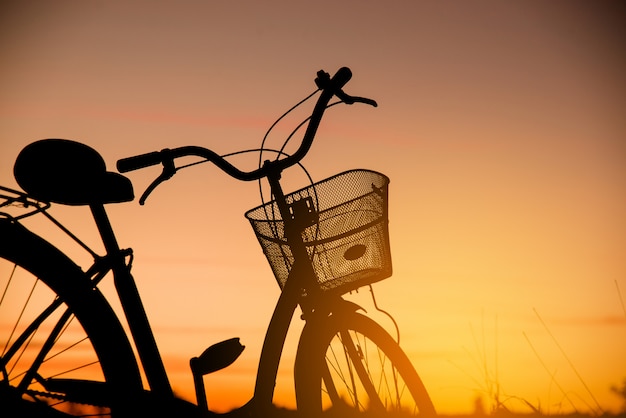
{"points": [[595, 321]]}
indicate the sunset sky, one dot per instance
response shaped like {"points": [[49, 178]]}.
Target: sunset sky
{"points": [[501, 124]]}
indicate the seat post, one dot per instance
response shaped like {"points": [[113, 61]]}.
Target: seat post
{"points": [[104, 227], [133, 307]]}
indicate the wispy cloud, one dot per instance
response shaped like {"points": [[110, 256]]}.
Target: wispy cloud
{"points": [[595, 321]]}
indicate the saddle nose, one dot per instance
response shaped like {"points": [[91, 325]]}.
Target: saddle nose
{"points": [[70, 173]]}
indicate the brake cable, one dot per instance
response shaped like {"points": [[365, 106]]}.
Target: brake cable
{"points": [[395, 324]]}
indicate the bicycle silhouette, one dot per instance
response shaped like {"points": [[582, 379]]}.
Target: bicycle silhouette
{"points": [[70, 354]]}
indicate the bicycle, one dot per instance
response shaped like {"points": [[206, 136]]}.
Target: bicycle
{"points": [[321, 241]]}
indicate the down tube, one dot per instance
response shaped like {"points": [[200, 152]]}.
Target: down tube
{"points": [[275, 341]]}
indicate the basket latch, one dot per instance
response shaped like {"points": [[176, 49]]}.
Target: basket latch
{"points": [[303, 212]]}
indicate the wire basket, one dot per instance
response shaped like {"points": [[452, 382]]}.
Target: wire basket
{"points": [[345, 232]]}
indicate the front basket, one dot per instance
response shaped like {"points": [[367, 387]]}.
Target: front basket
{"points": [[348, 243]]}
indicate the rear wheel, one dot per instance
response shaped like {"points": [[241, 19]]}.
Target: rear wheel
{"points": [[62, 348], [349, 365]]}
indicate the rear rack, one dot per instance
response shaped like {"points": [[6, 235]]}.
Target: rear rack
{"points": [[17, 205]]}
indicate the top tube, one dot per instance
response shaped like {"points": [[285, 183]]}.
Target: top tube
{"points": [[329, 87]]}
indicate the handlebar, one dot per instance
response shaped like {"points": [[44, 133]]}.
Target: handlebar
{"points": [[329, 87], [158, 157]]}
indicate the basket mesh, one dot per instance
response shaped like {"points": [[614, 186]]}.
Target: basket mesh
{"points": [[348, 241]]}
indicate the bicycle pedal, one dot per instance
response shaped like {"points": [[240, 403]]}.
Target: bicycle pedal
{"points": [[216, 357]]}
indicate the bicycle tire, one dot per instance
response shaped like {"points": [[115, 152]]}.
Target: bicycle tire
{"points": [[74, 307], [391, 388]]}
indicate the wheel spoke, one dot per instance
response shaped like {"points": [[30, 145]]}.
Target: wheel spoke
{"points": [[41, 356], [19, 318], [358, 360]]}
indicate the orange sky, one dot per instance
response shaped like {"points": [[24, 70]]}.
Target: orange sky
{"points": [[501, 126]]}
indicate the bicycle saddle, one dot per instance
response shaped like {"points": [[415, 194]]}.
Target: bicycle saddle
{"points": [[70, 173]]}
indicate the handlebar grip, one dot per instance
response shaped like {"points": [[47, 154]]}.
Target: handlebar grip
{"points": [[342, 76], [334, 84], [139, 161]]}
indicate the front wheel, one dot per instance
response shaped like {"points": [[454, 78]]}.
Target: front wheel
{"points": [[348, 365]]}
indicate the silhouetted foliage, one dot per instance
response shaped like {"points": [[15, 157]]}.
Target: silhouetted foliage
{"points": [[621, 392]]}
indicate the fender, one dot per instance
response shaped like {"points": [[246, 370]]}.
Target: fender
{"points": [[346, 306], [336, 308]]}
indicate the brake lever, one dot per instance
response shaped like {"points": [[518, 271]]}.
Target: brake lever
{"points": [[168, 172], [347, 99], [323, 79]]}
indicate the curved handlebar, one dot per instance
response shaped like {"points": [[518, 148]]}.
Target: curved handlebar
{"points": [[157, 157], [329, 87]]}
